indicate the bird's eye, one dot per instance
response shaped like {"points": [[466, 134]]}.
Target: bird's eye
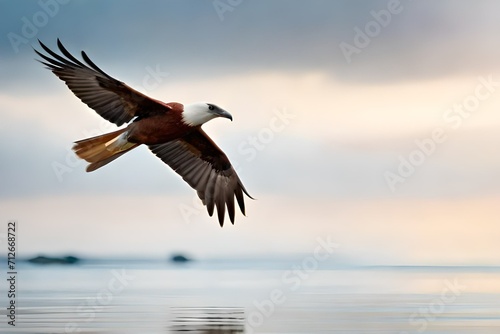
{"points": [[211, 107]]}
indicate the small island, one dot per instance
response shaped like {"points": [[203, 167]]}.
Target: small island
{"points": [[179, 258], [54, 260]]}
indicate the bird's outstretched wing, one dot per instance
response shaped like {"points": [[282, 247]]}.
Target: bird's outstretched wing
{"points": [[110, 98], [206, 169]]}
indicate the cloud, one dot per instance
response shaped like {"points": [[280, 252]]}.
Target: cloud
{"points": [[424, 40], [336, 145]]}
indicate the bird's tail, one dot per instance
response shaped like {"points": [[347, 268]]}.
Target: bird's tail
{"points": [[101, 150]]}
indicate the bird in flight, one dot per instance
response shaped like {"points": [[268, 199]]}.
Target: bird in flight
{"points": [[172, 131]]}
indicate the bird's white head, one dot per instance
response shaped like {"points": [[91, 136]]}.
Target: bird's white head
{"points": [[199, 113]]}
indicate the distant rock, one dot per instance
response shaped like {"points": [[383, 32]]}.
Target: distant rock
{"points": [[54, 260], [179, 258]]}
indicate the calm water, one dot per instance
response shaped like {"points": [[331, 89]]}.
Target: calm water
{"points": [[252, 297]]}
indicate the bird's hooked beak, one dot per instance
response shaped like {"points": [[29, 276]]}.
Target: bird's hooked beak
{"points": [[219, 112], [225, 114]]}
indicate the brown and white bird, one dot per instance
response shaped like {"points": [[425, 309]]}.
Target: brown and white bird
{"points": [[172, 131]]}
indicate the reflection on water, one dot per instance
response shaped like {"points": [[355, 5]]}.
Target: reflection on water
{"points": [[208, 320], [123, 298]]}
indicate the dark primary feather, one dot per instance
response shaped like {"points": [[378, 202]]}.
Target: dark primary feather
{"points": [[112, 99], [206, 169]]}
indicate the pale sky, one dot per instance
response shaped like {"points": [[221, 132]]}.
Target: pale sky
{"points": [[391, 149]]}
